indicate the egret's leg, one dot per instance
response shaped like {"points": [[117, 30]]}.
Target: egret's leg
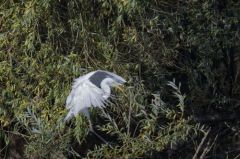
{"points": [[90, 125], [85, 111], [100, 137]]}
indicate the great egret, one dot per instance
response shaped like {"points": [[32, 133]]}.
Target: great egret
{"points": [[91, 90]]}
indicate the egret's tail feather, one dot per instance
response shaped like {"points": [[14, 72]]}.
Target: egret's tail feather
{"points": [[68, 117]]}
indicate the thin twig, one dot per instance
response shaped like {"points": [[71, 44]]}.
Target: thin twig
{"points": [[208, 148], [201, 144]]}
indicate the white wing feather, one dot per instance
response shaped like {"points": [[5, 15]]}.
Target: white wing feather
{"points": [[83, 95], [77, 82]]}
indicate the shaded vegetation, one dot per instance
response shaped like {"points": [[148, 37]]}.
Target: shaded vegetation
{"points": [[45, 44]]}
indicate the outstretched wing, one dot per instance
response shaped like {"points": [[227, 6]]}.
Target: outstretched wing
{"points": [[118, 78], [83, 95], [77, 82]]}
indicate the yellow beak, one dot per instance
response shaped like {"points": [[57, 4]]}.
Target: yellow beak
{"points": [[120, 87]]}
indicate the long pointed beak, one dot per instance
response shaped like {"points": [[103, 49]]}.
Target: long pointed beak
{"points": [[120, 87]]}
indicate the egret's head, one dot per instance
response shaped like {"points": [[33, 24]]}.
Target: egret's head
{"points": [[113, 82]]}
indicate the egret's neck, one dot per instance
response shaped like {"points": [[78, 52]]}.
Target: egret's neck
{"points": [[106, 88]]}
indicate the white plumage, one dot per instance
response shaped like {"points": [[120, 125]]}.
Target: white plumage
{"points": [[92, 89]]}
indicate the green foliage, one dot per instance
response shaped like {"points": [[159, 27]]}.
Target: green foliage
{"points": [[45, 44], [147, 134]]}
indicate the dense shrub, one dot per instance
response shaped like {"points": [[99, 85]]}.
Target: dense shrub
{"points": [[46, 44]]}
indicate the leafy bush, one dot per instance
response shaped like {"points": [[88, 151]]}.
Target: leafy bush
{"points": [[46, 44]]}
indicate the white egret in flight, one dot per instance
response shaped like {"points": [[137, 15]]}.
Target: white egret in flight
{"points": [[91, 90]]}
